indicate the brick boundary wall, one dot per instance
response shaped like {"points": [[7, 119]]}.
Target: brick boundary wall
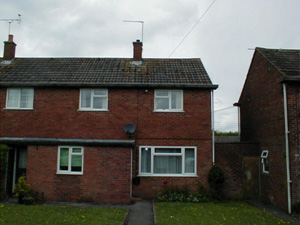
{"points": [[229, 156]]}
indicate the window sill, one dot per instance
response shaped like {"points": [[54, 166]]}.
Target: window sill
{"points": [[92, 110], [9, 109], [168, 111], [62, 173], [166, 175]]}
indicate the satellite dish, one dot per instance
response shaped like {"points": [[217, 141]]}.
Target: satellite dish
{"points": [[129, 129]]}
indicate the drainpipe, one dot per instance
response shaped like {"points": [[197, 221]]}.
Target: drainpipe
{"points": [[213, 127], [287, 154]]}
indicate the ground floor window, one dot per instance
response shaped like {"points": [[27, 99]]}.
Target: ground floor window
{"points": [[70, 160], [265, 161], [165, 161]]}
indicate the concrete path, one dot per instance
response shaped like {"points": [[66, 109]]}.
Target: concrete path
{"points": [[274, 211], [141, 213]]}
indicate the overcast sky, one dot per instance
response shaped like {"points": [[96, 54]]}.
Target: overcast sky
{"points": [[221, 39]]}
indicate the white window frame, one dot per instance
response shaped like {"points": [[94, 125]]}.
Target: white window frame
{"points": [[170, 101], [19, 102], [264, 157], [182, 154], [92, 102], [70, 160]]}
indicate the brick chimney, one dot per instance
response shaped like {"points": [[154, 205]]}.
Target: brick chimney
{"points": [[9, 48], [137, 50]]}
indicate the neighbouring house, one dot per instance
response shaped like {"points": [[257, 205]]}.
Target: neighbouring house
{"points": [[105, 129], [270, 115]]}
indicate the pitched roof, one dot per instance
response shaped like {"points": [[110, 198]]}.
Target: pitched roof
{"points": [[105, 72], [287, 61]]}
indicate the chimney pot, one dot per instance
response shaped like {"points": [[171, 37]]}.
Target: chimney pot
{"points": [[137, 50], [10, 38]]}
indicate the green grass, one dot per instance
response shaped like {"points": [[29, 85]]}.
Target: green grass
{"points": [[63, 215], [212, 213]]}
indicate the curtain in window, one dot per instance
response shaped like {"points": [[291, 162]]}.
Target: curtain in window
{"points": [[168, 164], [13, 98], [145, 160], [189, 160], [99, 103], [85, 98], [176, 102], [26, 100]]}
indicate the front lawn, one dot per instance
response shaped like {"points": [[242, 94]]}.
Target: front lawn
{"points": [[21, 214], [212, 213]]}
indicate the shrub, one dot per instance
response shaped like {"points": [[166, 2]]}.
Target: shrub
{"points": [[176, 194], [216, 181], [22, 187]]}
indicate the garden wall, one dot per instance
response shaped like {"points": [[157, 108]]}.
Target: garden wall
{"points": [[229, 156]]}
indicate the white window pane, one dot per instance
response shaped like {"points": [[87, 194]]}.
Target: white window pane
{"points": [[64, 159], [26, 98], [85, 99], [76, 150], [176, 100], [161, 93], [162, 103], [100, 92], [146, 160], [13, 98], [189, 160], [167, 150], [99, 103], [168, 164], [76, 163], [22, 158]]}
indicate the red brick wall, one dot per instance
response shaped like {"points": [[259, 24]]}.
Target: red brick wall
{"points": [[262, 120], [106, 177], [56, 115], [229, 156], [149, 187]]}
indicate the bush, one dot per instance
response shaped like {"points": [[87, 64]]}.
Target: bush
{"points": [[22, 187], [216, 181], [176, 194]]}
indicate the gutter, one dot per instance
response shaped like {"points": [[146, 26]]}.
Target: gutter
{"points": [[213, 127], [64, 141], [287, 153], [124, 85]]}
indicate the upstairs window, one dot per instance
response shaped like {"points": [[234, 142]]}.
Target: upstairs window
{"points": [[265, 161], [167, 161], [70, 160], [94, 99], [168, 101], [19, 98]]}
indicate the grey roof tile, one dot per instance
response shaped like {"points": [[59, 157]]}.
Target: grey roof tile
{"points": [[285, 60], [104, 71]]}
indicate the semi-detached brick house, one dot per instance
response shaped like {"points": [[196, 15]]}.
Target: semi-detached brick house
{"points": [[64, 121], [269, 106]]}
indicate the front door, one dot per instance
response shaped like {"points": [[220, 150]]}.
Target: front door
{"points": [[17, 160]]}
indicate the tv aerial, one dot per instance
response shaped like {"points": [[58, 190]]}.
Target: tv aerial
{"points": [[137, 21], [10, 21]]}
